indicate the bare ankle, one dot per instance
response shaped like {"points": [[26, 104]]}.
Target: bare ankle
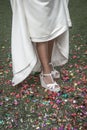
{"points": [[51, 67], [46, 70]]}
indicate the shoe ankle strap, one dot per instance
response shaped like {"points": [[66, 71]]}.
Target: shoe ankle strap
{"points": [[46, 74], [51, 63]]}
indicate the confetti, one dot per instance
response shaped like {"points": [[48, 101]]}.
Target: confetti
{"points": [[28, 106]]}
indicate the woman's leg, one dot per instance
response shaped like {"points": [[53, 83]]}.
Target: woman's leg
{"points": [[46, 77], [50, 48], [42, 49]]}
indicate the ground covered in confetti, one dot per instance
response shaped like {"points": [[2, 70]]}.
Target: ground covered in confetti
{"points": [[30, 107]]}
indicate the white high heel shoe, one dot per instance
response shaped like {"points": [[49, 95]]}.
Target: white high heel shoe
{"points": [[55, 73], [54, 87]]}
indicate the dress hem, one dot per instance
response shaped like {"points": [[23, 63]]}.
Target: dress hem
{"points": [[19, 77], [49, 37]]}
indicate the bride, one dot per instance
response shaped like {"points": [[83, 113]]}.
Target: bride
{"points": [[40, 39]]}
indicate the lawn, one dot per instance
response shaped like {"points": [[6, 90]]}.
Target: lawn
{"points": [[28, 106]]}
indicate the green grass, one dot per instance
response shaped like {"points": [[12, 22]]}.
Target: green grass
{"points": [[30, 107]]}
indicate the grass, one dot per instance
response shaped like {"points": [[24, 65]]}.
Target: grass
{"points": [[28, 106]]}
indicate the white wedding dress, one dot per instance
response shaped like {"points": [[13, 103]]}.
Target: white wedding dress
{"points": [[38, 21]]}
